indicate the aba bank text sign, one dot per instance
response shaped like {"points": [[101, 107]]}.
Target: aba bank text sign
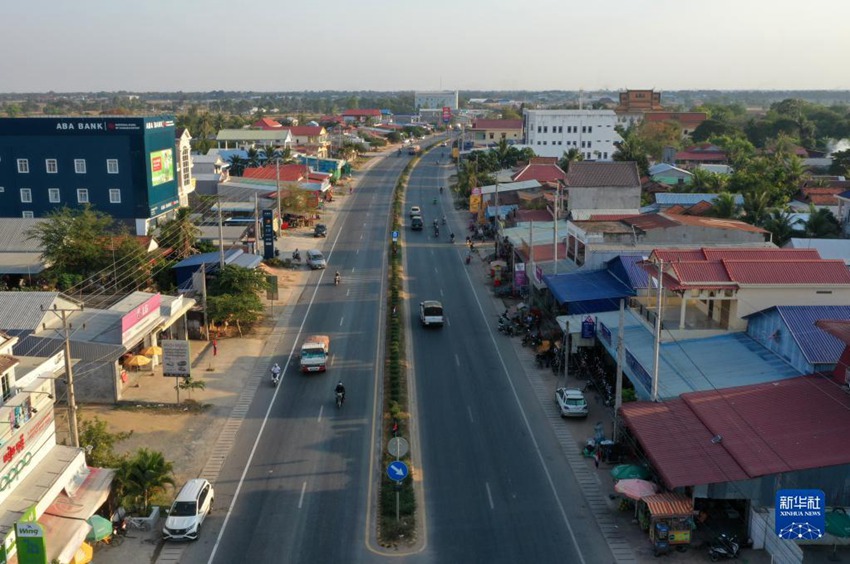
{"points": [[104, 125], [159, 124]]}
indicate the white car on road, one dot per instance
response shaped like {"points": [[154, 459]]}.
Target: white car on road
{"points": [[571, 402]]}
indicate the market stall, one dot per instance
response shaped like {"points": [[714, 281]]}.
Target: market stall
{"points": [[669, 519]]}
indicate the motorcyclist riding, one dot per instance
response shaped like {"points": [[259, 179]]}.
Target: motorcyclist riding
{"points": [[336, 278], [452, 237], [275, 372], [296, 255], [441, 189], [340, 389], [444, 219]]}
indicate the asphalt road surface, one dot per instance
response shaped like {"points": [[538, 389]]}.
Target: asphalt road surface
{"points": [[497, 487], [304, 496]]}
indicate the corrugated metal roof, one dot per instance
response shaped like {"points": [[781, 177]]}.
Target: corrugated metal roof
{"points": [[601, 174], [827, 248], [587, 286], [627, 269], [25, 311], [679, 445], [650, 221], [689, 199], [693, 272], [13, 235], [209, 258], [838, 329], [669, 504], [818, 346], [754, 253], [783, 426]]}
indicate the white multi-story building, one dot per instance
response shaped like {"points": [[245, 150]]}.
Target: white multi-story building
{"points": [[435, 100], [551, 133]]}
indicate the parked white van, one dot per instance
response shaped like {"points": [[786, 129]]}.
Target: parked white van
{"points": [[190, 508]]}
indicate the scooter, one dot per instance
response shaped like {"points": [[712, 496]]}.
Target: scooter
{"points": [[340, 397], [336, 280], [275, 379], [724, 547]]}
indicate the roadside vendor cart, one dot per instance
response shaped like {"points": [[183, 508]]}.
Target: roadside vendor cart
{"points": [[667, 515]]}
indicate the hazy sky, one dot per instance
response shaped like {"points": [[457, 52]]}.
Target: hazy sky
{"points": [[273, 45]]}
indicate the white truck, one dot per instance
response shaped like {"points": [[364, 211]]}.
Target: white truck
{"points": [[314, 353], [431, 313]]}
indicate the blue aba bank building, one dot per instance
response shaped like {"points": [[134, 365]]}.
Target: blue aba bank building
{"points": [[123, 166]]}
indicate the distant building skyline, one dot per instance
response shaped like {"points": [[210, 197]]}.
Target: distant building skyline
{"points": [[442, 45]]}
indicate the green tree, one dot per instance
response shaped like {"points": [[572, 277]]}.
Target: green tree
{"points": [[631, 149], [270, 155], [822, 224], [94, 433], [779, 225], [655, 136], [72, 241], [571, 156], [238, 309], [180, 234], [253, 158], [148, 473], [135, 272], [713, 128], [725, 206], [237, 280], [840, 163], [237, 165], [757, 207]]}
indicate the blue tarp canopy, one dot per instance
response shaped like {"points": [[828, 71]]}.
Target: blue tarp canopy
{"points": [[503, 211], [588, 292]]}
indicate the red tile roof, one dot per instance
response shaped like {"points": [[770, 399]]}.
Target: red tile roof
{"points": [[782, 426], [649, 221], [700, 156], [592, 174], [362, 113], [612, 217], [820, 271], [700, 208], [540, 172], [678, 208], [533, 215], [497, 124], [714, 222], [717, 253], [839, 329], [288, 173], [306, 130], [266, 123], [695, 272], [821, 196]]}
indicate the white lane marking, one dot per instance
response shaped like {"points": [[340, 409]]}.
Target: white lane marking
{"points": [[469, 410], [333, 358], [489, 495], [348, 292], [457, 360], [357, 252], [531, 433], [321, 410], [441, 293], [301, 499], [341, 319]]}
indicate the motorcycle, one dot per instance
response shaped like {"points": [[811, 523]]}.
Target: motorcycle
{"points": [[724, 547], [340, 397], [336, 280], [452, 237], [436, 231]]}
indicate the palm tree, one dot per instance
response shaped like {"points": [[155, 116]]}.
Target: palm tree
{"points": [[270, 155], [503, 152], [571, 156], [822, 224], [148, 473], [237, 165], [725, 206], [779, 225], [756, 207], [180, 234], [253, 157]]}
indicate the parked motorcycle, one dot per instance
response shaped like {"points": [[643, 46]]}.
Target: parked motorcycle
{"points": [[724, 547]]}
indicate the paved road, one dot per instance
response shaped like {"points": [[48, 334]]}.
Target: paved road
{"points": [[497, 486], [305, 494]]}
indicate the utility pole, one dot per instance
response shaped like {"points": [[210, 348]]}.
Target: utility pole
{"points": [[618, 398], [63, 314], [277, 193], [657, 330], [220, 237], [204, 300], [555, 228]]}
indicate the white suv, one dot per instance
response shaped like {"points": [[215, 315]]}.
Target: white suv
{"points": [[571, 402], [315, 259], [190, 508]]}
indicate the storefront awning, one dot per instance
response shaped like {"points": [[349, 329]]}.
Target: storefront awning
{"points": [[63, 536], [669, 504], [83, 501]]}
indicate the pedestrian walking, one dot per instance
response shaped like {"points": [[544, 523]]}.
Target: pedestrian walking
{"points": [[597, 455]]}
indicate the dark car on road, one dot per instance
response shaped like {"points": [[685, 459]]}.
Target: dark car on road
{"points": [[321, 230]]}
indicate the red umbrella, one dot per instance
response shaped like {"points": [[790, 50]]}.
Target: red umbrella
{"points": [[635, 489]]}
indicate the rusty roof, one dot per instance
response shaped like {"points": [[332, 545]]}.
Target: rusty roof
{"points": [[7, 362], [601, 174]]}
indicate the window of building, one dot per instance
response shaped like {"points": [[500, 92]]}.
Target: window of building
{"points": [[588, 144], [605, 155], [26, 195], [80, 166], [539, 129], [544, 142], [51, 166], [545, 129], [27, 215], [23, 166], [4, 381], [491, 135], [590, 129], [114, 196], [82, 195], [53, 195], [112, 166]]}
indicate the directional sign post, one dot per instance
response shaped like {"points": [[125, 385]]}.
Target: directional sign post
{"points": [[395, 235], [397, 471]]}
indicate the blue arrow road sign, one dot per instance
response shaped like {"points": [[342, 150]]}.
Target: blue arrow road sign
{"points": [[397, 471], [395, 235]]}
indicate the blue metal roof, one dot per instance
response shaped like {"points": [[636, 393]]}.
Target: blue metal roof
{"points": [[818, 346], [682, 199], [626, 269], [587, 286], [503, 211], [733, 359], [247, 261]]}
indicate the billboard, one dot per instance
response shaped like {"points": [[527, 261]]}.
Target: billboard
{"points": [[162, 166]]}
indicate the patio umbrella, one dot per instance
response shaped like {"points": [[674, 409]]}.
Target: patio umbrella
{"points": [[137, 360], [101, 528], [626, 471], [838, 523], [152, 351], [635, 489]]}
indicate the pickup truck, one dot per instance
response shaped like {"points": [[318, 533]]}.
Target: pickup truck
{"points": [[414, 150], [314, 353]]}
